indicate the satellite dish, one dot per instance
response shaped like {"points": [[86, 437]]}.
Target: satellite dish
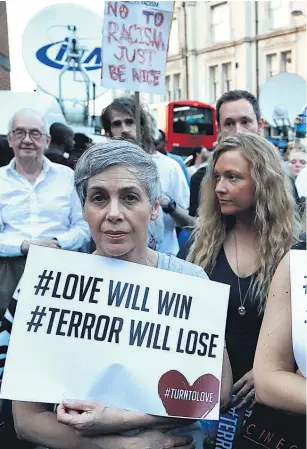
{"points": [[61, 49], [282, 98]]}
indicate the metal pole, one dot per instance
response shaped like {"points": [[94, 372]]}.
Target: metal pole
{"points": [[185, 50], [138, 117], [257, 48]]}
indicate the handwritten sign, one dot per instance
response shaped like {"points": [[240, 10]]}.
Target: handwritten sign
{"points": [[131, 336], [135, 43], [298, 274]]}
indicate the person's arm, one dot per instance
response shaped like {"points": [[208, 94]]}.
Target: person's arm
{"points": [[34, 423], [78, 234], [5, 331], [226, 384], [48, 243], [180, 215], [94, 418], [182, 218], [277, 384], [10, 244]]}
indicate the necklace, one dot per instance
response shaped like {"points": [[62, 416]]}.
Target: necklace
{"points": [[241, 308]]}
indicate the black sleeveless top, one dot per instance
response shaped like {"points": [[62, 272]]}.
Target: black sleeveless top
{"points": [[241, 331]]}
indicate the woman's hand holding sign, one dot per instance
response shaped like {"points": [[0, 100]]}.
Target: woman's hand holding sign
{"points": [[93, 418], [244, 391], [90, 418]]}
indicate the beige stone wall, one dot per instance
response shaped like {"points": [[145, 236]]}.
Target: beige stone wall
{"points": [[192, 44]]}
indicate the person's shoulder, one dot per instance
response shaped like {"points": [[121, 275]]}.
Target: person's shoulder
{"points": [[62, 169], [301, 244], [3, 170], [177, 158], [172, 263], [198, 175], [166, 160]]}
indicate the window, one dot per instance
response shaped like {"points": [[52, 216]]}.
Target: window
{"points": [[279, 13], [286, 61], [192, 120], [176, 85], [226, 73], [213, 82], [271, 63], [220, 27], [167, 89]]}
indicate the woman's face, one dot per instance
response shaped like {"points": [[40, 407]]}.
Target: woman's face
{"points": [[234, 186], [297, 161], [118, 212]]}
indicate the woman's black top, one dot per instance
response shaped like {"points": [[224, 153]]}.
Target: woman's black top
{"points": [[241, 331]]}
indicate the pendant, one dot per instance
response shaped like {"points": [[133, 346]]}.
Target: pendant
{"points": [[242, 311]]}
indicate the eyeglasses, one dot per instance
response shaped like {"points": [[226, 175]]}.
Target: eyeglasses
{"points": [[33, 134]]}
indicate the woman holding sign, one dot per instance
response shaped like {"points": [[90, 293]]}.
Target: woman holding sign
{"points": [[246, 225], [281, 356], [119, 188]]}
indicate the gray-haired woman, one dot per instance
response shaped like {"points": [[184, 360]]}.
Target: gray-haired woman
{"points": [[119, 188]]}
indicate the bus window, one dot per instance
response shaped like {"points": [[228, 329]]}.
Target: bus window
{"points": [[192, 120]]}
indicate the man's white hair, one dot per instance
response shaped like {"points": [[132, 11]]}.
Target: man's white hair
{"points": [[29, 111]]}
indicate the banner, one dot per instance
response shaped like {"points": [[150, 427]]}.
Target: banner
{"points": [[135, 44], [298, 275], [128, 335]]}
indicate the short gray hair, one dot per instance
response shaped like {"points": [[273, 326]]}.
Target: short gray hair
{"points": [[113, 152], [29, 111]]}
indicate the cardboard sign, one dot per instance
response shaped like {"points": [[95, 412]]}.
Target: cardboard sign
{"points": [[128, 335], [298, 274], [135, 43]]}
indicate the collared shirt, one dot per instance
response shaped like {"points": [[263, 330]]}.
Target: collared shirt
{"points": [[49, 209]]}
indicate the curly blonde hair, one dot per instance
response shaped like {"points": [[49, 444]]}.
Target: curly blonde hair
{"points": [[275, 219]]}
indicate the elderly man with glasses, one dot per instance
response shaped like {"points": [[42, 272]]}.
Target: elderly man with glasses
{"points": [[38, 202]]}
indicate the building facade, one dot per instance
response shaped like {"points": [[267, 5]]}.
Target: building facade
{"points": [[4, 50], [219, 45], [216, 46]]}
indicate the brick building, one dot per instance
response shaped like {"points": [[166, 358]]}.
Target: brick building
{"points": [[4, 50]]}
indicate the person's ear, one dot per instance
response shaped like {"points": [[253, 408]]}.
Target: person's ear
{"points": [[260, 123], [9, 139], [84, 214], [155, 211]]}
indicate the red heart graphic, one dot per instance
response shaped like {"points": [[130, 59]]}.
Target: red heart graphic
{"points": [[188, 401]]}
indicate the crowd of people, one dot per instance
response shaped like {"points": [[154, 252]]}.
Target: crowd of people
{"points": [[242, 208]]}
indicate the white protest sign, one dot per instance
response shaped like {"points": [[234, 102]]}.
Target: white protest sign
{"points": [[131, 336], [135, 44], [298, 274]]}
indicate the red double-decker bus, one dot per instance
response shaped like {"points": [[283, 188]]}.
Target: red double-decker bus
{"points": [[188, 125]]}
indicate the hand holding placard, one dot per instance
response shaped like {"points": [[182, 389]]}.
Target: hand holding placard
{"points": [[129, 323], [135, 41]]}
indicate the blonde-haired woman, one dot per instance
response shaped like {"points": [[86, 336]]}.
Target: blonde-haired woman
{"points": [[246, 225]]}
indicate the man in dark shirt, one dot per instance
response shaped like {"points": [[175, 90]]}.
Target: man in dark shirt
{"points": [[61, 145], [237, 111]]}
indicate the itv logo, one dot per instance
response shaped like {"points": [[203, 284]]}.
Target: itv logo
{"points": [[54, 55]]}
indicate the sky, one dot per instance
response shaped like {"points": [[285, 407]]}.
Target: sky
{"points": [[19, 12]]}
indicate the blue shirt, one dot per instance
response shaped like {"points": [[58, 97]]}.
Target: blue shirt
{"points": [[48, 209]]}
